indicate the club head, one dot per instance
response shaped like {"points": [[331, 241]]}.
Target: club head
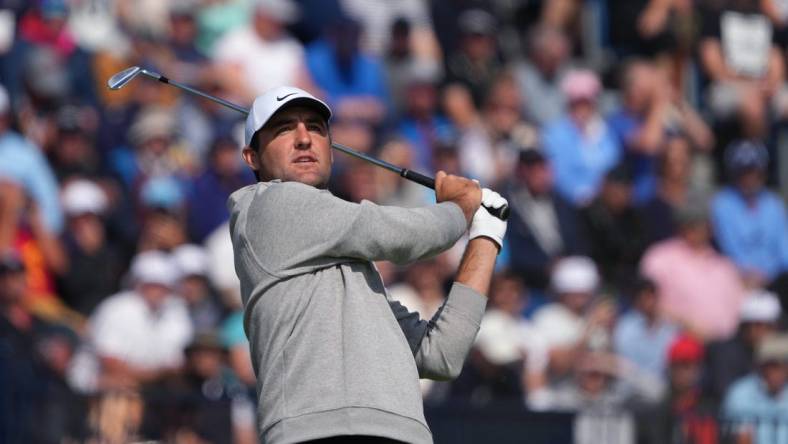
{"points": [[120, 79]]}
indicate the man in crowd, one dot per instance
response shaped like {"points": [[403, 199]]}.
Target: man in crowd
{"points": [[754, 402], [750, 222], [701, 289], [334, 355], [733, 358]]}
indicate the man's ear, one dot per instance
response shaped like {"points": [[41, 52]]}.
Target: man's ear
{"points": [[250, 157]]}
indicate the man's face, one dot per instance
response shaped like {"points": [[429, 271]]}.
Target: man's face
{"points": [[293, 146]]}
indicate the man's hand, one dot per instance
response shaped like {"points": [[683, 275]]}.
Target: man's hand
{"points": [[464, 192], [485, 224]]}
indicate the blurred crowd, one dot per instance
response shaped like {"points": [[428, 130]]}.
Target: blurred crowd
{"points": [[641, 145]]}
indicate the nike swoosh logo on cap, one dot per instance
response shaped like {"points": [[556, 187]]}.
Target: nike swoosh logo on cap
{"points": [[279, 99]]}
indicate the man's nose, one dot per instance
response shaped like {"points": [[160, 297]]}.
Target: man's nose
{"points": [[303, 140]]}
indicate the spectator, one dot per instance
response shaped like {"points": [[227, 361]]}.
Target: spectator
{"points": [[208, 192], [543, 226], [509, 359], [489, 147], [75, 152], [243, 56], [180, 408], [475, 63], [353, 81], [750, 222], [94, 265], [22, 162], [572, 322], [19, 330], [756, 402], [139, 334], [744, 64], [162, 216], [580, 145], [233, 338], [155, 150], [603, 392], [194, 287], [700, 289], [23, 232], [649, 113], [672, 192], [422, 125], [400, 58], [734, 358], [614, 229], [683, 414], [541, 74], [641, 335]]}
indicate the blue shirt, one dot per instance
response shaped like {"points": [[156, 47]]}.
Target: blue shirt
{"points": [[580, 163], [747, 402], [624, 125], [422, 137], [364, 78], [22, 162], [642, 344], [755, 238]]}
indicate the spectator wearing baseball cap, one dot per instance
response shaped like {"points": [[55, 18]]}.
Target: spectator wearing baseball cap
{"points": [[195, 288], [474, 63], [94, 265], [701, 289], [754, 402], [750, 221], [580, 145], [139, 334], [733, 358], [572, 320], [684, 410]]}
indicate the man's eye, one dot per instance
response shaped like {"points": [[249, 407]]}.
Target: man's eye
{"points": [[282, 129], [316, 127]]}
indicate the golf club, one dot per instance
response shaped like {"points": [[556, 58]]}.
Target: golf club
{"points": [[122, 78]]}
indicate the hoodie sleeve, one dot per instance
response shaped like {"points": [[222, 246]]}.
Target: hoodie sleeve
{"points": [[293, 227], [441, 344]]}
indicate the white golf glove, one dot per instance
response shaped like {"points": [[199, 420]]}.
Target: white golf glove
{"points": [[484, 223]]}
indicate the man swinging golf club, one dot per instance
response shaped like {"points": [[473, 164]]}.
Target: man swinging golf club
{"points": [[336, 359]]}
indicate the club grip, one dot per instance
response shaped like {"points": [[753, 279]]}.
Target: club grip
{"points": [[501, 213]]}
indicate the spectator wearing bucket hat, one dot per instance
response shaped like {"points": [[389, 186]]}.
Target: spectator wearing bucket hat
{"points": [[733, 358], [139, 334], [750, 222], [195, 289], [757, 404]]}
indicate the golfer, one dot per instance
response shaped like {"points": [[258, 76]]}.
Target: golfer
{"points": [[336, 359]]}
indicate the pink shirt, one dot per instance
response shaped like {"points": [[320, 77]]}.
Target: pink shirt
{"points": [[699, 287]]}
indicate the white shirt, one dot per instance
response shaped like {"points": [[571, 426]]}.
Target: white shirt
{"points": [[265, 64], [558, 325], [503, 339], [124, 327]]}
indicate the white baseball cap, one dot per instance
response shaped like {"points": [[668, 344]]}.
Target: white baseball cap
{"points": [[154, 267], [266, 105], [191, 260], [83, 197], [760, 306], [575, 274]]}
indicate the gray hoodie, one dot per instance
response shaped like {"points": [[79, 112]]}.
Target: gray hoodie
{"points": [[333, 354]]}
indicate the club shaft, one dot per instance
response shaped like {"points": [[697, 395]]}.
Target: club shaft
{"points": [[188, 88], [429, 182]]}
